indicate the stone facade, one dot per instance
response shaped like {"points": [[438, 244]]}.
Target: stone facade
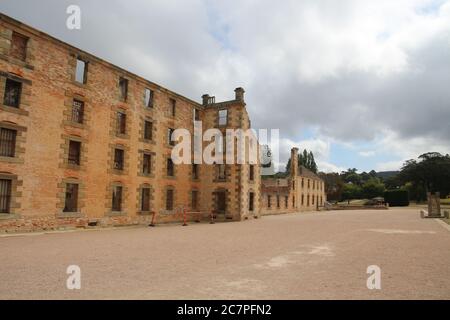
{"points": [[301, 191], [84, 137]]}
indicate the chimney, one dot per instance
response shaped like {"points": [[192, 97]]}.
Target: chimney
{"points": [[205, 99], [239, 94], [294, 162]]}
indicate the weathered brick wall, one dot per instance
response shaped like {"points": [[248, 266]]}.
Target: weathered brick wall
{"points": [[44, 129]]}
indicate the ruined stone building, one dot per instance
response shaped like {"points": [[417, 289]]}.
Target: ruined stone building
{"points": [[303, 190], [84, 142]]}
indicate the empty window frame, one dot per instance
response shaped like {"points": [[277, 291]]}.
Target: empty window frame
{"points": [[148, 98], [19, 46], [196, 114], [251, 201], [269, 204], [173, 107], [74, 152], [286, 201], [121, 123], [123, 88], [169, 199], [252, 173], [148, 130], [147, 164], [71, 199], [194, 200], [145, 199], [13, 91], [81, 71], [223, 117], [119, 159], [194, 171], [77, 111], [221, 172], [117, 199], [170, 168], [7, 142], [170, 132], [5, 195]]}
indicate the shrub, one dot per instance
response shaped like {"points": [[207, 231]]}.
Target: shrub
{"points": [[397, 198]]}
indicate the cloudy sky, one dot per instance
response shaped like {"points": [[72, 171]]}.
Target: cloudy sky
{"points": [[363, 84]]}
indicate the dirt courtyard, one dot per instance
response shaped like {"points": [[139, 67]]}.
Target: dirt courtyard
{"points": [[297, 256]]}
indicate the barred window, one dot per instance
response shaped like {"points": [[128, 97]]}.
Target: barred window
{"points": [[71, 201], [19, 46], [169, 199], [7, 142], [148, 128], [286, 200], [145, 199], [118, 159], [269, 204], [121, 123], [147, 164], [13, 90], [278, 201], [77, 111], [74, 152], [117, 199], [5, 195]]}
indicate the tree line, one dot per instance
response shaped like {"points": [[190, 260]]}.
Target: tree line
{"points": [[429, 173]]}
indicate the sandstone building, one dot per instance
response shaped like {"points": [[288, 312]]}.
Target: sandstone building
{"points": [[84, 142], [303, 190]]}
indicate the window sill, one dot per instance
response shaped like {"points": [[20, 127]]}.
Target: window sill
{"points": [[122, 136], [16, 61], [75, 124], [9, 216], [16, 110], [118, 171], [11, 159], [116, 214], [79, 84], [145, 213], [72, 166], [63, 215], [171, 177], [144, 175]]}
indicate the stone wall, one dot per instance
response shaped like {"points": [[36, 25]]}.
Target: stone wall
{"points": [[40, 169]]}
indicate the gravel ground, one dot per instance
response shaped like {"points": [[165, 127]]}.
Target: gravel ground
{"points": [[297, 256]]}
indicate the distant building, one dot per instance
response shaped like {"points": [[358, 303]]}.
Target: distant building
{"points": [[303, 190]]}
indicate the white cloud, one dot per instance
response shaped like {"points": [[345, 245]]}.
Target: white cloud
{"points": [[367, 154], [354, 70]]}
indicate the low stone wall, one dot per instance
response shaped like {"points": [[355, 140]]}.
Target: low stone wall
{"points": [[337, 207]]}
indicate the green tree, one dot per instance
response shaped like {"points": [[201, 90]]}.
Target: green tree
{"points": [[305, 159], [351, 192], [430, 173], [373, 188]]}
